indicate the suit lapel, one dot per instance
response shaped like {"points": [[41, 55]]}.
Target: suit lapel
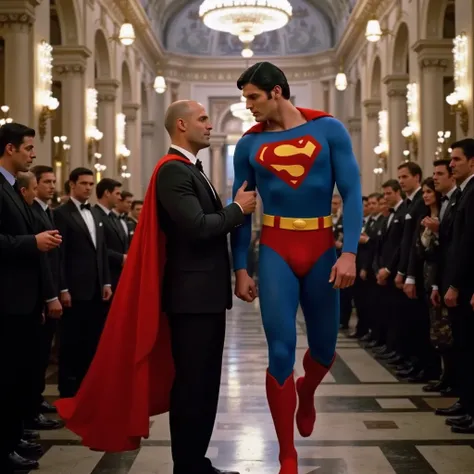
{"points": [[206, 183], [77, 217], [19, 202], [43, 216], [114, 224]]}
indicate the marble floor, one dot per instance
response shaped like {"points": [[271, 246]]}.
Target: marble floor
{"points": [[368, 421]]}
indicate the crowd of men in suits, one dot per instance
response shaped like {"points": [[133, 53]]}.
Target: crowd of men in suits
{"points": [[58, 272], [415, 289]]}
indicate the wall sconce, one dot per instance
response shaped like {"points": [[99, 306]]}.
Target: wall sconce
{"points": [[441, 151], [457, 99], [99, 167], [411, 130], [381, 150], [373, 30], [47, 102], [341, 80], [6, 118], [61, 162], [93, 134], [121, 149], [160, 83]]}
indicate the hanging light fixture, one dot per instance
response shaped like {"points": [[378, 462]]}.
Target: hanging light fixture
{"points": [[160, 85], [239, 110], [373, 32], [127, 34], [245, 18]]}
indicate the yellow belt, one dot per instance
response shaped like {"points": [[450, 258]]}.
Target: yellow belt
{"points": [[292, 223]]}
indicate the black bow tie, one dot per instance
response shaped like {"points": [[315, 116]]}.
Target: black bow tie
{"points": [[444, 199], [391, 210], [86, 206], [199, 166], [122, 216]]}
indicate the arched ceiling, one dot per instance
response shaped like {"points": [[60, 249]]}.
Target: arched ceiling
{"points": [[315, 26]]}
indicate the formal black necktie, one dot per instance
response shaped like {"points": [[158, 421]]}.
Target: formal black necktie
{"points": [[199, 166], [86, 206], [49, 213], [391, 210]]}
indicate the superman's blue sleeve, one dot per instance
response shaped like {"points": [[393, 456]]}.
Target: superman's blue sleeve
{"points": [[347, 177], [243, 171]]}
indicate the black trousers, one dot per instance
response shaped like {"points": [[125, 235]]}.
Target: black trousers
{"points": [[80, 329], [396, 306], [361, 302], [346, 296], [19, 363], [463, 349], [197, 342], [46, 336]]}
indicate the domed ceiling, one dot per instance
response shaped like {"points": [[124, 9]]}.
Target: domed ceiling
{"points": [[312, 29]]}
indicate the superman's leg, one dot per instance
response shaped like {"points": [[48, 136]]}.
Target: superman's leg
{"points": [[320, 304], [279, 298]]}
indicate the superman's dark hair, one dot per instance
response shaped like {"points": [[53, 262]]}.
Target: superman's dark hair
{"points": [[266, 76]]}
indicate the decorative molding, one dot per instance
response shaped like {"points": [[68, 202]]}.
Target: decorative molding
{"points": [[107, 89], [130, 110], [70, 59], [434, 53], [372, 108], [148, 128], [354, 124], [434, 63], [18, 14], [69, 69]]}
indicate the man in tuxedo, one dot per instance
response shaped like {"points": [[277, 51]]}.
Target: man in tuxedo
{"points": [[85, 281], [45, 183], [116, 239], [459, 296], [133, 217], [122, 210], [24, 289], [389, 259], [197, 283]]}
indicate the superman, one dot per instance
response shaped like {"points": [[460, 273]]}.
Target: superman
{"points": [[294, 157]]}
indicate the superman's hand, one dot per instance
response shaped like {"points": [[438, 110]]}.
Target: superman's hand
{"points": [[343, 272], [245, 287]]}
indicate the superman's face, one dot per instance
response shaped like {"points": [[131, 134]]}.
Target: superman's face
{"points": [[263, 105]]}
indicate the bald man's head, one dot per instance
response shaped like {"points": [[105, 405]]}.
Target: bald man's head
{"points": [[180, 109]]}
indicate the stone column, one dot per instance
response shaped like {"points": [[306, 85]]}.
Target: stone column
{"points": [[107, 95], [370, 129], [355, 129], [133, 141], [397, 119], [218, 174], [162, 138], [69, 67], [15, 27], [149, 154], [434, 57]]}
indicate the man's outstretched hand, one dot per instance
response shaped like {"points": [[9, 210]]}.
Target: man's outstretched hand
{"points": [[245, 287], [343, 272]]}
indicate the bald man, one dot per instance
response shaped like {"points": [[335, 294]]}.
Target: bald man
{"points": [[197, 283]]}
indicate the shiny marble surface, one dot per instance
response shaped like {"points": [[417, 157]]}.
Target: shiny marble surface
{"points": [[368, 421]]}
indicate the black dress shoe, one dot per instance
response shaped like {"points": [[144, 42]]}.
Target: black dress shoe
{"points": [[379, 349], [469, 429], [366, 337], [408, 372], [395, 360], [42, 423], [420, 377], [434, 387], [372, 345], [46, 407], [386, 355], [28, 448], [454, 410], [464, 420], [19, 463], [30, 435], [449, 392]]}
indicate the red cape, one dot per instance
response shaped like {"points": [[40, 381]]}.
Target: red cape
{"points": [[308, 114], [132, 373]]}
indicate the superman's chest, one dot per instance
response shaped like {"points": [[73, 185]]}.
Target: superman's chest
{"points": [[293, 160]]}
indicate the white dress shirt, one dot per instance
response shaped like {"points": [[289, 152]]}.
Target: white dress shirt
{"points": [[464, 183], [88, 219]]}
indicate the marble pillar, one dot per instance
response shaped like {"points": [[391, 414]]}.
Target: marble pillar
{"points": [[149, 154], [16, 29], [434, 58], [370, 129], [107, 96], [218, 175], [69, 68], [162, 138], [397, 119], [354, 125], [133, 134]]}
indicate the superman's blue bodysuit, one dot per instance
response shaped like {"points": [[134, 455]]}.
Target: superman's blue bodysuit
{"points": [[295, 172]]}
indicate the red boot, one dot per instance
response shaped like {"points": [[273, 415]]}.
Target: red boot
{"points": [[306, 386], [282, 402]]}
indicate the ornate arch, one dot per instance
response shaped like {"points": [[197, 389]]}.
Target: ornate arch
{"points": [[127, 84], [376, 79], [70, 22], [400, 50], [433, 18], [102, 55]]}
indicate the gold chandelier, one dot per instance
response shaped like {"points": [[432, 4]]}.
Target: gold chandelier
{"points": [[245, 18]]}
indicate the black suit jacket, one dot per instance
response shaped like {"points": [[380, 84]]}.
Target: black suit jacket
{"points": [[373, 229], [53, 255], [414, 211], [116, 242], [391, 241], [461, 259], [197, 272], [85, 268], [25, 276]]}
